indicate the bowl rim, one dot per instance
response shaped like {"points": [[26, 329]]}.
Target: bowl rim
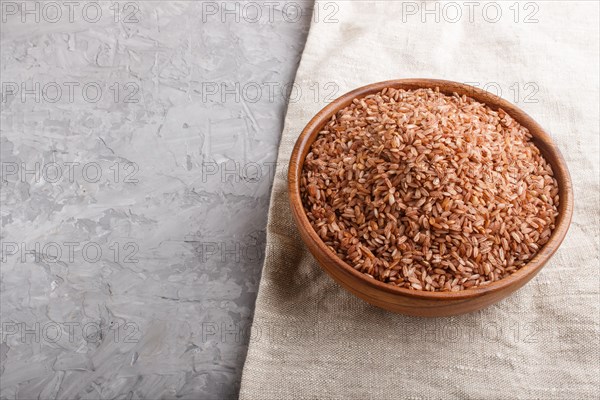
{"points": [[553, 156]]}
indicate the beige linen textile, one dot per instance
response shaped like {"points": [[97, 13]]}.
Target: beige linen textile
{"points": [[312, 340]]}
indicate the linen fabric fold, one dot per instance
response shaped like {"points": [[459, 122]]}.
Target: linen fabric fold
{"points": [[313, 340]]}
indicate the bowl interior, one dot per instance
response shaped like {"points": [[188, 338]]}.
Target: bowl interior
{"points": [[540, 138]]}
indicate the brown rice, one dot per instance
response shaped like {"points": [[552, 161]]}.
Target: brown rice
{"points": [[428, 191]]}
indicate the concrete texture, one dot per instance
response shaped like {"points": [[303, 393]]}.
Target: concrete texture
{"points": [[138, 149]]}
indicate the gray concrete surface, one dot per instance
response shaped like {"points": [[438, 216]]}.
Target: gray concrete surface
{"points": [[138, 146]]}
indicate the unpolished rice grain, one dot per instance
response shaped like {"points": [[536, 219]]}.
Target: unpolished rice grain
{"points": [[428, 191]]}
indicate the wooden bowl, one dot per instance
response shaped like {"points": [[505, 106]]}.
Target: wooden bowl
{"points": [[414, 302]]}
